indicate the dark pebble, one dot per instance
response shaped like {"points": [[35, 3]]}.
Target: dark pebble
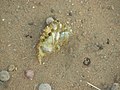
{"points": [[70, 13], [100, 47], [108, 41], [30, 36], [52, 10], [86, 61], [27, 35], [83, 20], [31, 23]]}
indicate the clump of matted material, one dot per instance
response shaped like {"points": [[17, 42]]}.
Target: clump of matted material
{"points": [[54, 35]]}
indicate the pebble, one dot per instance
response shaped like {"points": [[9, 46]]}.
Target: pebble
{"points": [[44, 86], [86, 61], [4, 76], [115, 86], [31, 23], [29, 74], [49, 20], [108, 41], [12, 68], [100, 47], [70, 13], [52, 10]]}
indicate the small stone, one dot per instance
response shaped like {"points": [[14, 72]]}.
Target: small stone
{"points": [[108, 41], [110, 7], [12, 68], [115, 86], [27, 35], [44, 86], [99, 46], [29, 74], [70, 13], [83, 20], [31, 23], [30, 36], [52, 10], [86, 61], [4, 76], [49, 20]]}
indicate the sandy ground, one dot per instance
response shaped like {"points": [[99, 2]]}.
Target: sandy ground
{"points": [[96, 35]]}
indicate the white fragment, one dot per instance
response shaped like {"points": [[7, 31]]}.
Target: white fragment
{"points": [[9, 45], [60, 25], [43, 63], [3, 19], [81, 2], [72, 4], [33, 7], [53, 37], [14, 49], [57, 36], [67, 22], [59, 11]]}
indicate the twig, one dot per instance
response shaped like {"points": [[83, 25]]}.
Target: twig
{"points": [[93, 86]]}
